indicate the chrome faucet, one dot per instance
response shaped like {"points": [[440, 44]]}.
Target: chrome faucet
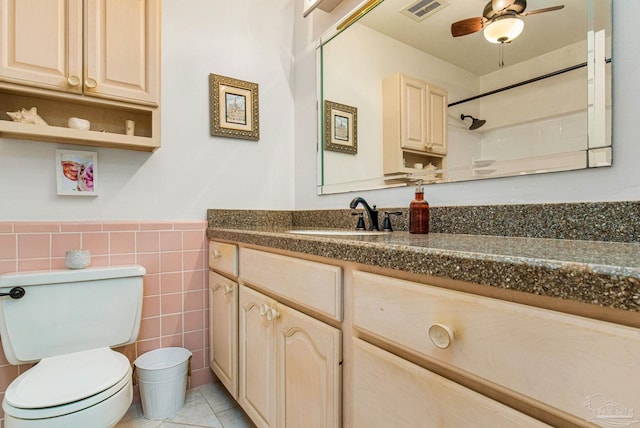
{"points": [[372, 213]]}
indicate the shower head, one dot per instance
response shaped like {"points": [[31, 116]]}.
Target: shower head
{"points": [[477, 123]]}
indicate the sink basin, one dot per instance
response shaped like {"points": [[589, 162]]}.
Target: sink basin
{"points": [[334, 232]]}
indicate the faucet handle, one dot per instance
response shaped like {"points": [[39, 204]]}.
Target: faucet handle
{"points": [[386, 225], [360, 225]]}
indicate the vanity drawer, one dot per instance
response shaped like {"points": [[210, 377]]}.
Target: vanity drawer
{"points": [[581, 366], [316, 286], [389, 391], [223, 257]]}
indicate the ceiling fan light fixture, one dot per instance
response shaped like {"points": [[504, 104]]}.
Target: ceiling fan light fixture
{"points": [[503, 30]]}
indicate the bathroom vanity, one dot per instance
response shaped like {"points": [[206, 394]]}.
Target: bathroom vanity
{"points": [[431, 330]]}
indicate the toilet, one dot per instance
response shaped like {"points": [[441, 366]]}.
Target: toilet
{"points": [[67, 321]]}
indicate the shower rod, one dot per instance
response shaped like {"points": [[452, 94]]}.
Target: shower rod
{"points": [[524, 82]]}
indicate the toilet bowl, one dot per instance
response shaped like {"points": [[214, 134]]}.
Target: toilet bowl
{"points": [[71, 390], [68, 322]]}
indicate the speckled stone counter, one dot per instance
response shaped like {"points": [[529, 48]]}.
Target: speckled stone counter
{"points": [[606, 274]]}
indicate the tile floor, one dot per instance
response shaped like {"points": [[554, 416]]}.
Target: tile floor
{"points": [[207, 406]]}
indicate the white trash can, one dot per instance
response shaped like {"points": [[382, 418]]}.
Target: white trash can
{"points": [[162, 376]]}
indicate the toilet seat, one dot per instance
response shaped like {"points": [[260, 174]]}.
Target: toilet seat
{"points": [[67, 383]]}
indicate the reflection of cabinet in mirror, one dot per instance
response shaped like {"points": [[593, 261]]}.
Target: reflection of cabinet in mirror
{"points": [[94, 59], [414, 124]]}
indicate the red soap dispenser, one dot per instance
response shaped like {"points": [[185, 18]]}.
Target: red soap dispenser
{"points": [[419, 212]]}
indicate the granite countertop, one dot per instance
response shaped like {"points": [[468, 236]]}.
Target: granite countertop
{"points": [[595, 272]]}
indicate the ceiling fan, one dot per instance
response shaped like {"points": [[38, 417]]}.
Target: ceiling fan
{"points": [[500, 19]]}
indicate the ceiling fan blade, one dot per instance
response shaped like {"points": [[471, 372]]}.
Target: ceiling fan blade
{"points": [[466, 26], [546, 9]]}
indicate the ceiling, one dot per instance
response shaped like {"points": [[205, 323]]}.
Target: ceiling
{"points": [[542, 33]]}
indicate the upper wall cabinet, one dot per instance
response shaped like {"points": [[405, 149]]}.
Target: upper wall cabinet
{"points": [[102, 48], [326, 5], [95, 59]]}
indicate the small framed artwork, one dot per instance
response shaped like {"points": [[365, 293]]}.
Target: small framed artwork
{"points": [[77, 173], [340, 128], [234, 108]]}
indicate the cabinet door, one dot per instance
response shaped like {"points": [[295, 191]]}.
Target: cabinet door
{"points": [[122, 50], [437, 120], [41, 43], [413, 113], [257, 387], [223, 331], [308, 374], [389, 391]]}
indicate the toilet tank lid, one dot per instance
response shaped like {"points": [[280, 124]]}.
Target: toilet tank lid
{"points": [[41, 277]]}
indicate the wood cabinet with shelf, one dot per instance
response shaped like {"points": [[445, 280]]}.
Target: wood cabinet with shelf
{"points": [[100, 48], [414, 124], [94, 59]]}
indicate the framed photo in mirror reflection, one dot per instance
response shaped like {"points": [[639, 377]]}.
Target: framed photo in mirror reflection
{"points": [[340, 130]]}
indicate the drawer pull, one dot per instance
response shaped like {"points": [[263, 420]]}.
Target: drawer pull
{"points": [[441, 335], [217, 254]]}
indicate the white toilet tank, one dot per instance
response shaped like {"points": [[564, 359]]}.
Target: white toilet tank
{"points": [[67, 311]]}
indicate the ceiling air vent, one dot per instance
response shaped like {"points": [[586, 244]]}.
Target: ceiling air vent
{"points": [[421, 9]]}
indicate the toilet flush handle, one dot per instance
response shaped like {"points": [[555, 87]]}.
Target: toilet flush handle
{"points": [[15, 293]]}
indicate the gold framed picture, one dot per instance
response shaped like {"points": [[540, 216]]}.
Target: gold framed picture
{"points": [[340, 127], [234, 108]]}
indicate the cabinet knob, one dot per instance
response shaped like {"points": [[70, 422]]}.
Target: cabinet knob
{"points": [[441, 335], [272, 314], [90, 83], [73, 80], [227, 289], [263, 309], [217, 254]]}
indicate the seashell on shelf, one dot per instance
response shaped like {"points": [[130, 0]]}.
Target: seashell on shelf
{"points": [[27, 116]]}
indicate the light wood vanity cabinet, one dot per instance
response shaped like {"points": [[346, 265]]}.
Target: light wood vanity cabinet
{"points": [[414, 124], [412, 354], [287, 363], [83, 57], [575, 367]]}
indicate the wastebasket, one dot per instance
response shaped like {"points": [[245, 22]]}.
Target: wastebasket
{"points": [[162, 376]]}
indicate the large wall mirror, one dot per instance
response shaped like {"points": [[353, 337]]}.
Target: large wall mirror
{"points": [[453, 90]]}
